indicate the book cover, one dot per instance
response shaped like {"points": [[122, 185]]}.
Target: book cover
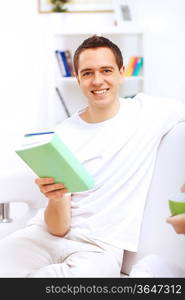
{"points": [[69, 62], [131, 65], [60, 63], [52, 158], [65, 63], [138, 66]]}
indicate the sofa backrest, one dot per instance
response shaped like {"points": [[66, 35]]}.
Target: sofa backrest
{"points": [[157, 236]]}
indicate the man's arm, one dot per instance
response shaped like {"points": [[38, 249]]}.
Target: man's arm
{"points": [[57, 214]]}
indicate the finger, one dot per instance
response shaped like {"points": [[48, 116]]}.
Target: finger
{"points": [[183, 188], [174, 219], [41, 181], [168, 220], [51, 187], [56, 194]]}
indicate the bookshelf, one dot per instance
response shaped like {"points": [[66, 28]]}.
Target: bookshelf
{"points": [[130, 40]]}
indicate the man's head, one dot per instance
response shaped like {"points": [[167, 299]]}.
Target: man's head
{"points": [[98, 42], [99, 71]]}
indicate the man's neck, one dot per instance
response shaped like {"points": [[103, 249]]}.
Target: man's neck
{"points": [[97, 115]]}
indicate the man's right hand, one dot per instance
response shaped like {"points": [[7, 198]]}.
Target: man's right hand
{"points": [[50, 189]]}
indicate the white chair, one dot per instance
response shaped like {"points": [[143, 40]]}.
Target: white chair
{"points": [[157, 237]]}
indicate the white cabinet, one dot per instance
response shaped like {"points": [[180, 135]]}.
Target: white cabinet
{"points": [[129, 40]]}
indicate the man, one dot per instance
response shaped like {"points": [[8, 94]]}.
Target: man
{"points": [[84, 234]]}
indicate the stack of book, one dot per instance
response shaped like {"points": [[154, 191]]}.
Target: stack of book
{"points": [[134, 66], [65, 63]]}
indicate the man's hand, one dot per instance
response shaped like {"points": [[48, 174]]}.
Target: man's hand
{"points": [[178, 223], [50, 189], [57, 214]]}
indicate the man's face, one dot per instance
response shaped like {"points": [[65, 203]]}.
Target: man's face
{"points": [[99, 76]]}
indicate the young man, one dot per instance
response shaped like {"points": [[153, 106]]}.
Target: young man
{"points": [[84, 234]]}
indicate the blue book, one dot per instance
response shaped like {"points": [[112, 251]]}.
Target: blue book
{"points": [[66, 66], [138, 67], [60, 63]]}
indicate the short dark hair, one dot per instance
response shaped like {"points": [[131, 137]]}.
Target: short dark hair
{"points": [[96, 41]]}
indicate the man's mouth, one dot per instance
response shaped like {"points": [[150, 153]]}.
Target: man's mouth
{"points": [[99, 92]]}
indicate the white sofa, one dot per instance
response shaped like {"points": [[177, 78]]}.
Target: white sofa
{"points": [[157, 237]]}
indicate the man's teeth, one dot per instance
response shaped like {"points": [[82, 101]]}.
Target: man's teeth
{"points": [[100, 92]]}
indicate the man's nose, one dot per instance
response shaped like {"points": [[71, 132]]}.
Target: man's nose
{"points": [[97, 78]]}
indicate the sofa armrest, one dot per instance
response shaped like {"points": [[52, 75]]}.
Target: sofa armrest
{"points": [[157, 236], [20, 200], [19, 186]]}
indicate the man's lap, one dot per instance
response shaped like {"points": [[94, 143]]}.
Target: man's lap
{"points": [[33, 248]]}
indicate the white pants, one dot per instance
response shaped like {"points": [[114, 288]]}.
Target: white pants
{"points": [[33, 252], [156, 266]]}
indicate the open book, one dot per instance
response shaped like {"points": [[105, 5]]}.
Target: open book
{"points": [[50, 157]]}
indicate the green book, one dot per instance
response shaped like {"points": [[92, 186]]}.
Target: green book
{"points": [[52, 158]]}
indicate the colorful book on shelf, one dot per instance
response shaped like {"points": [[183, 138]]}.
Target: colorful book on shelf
{"points": [[50, 157], [60, 63], [63, 62], [66, 66], [69, 62], [131, 65], [134, 66], [138, 66]]}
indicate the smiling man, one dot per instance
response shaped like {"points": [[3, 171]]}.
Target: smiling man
{"points": [[85, 234], [99, 80]]}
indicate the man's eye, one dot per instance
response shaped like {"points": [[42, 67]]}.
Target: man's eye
{"points": [[107, 71], [86, 74]]}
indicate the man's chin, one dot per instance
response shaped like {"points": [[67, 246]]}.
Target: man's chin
{"points": [[99, 99], [100, 102]]}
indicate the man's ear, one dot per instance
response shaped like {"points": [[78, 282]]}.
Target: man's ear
{"points": [[77, 77], [122, 71]]}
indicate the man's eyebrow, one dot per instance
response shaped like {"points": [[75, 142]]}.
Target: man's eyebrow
{"points": [[90, 69], [85, 70], [107, 67]]}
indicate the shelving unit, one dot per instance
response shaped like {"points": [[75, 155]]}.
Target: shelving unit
{"points": [[129, 39]]}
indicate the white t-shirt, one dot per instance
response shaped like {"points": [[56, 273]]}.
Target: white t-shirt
{"points": [[120, 153]]}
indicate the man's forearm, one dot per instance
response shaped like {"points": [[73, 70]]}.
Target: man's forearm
{"points": [[58, 215]]}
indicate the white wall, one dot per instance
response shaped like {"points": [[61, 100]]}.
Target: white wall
{"points": [[25, 94], [23, 88], [164, 24]]}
